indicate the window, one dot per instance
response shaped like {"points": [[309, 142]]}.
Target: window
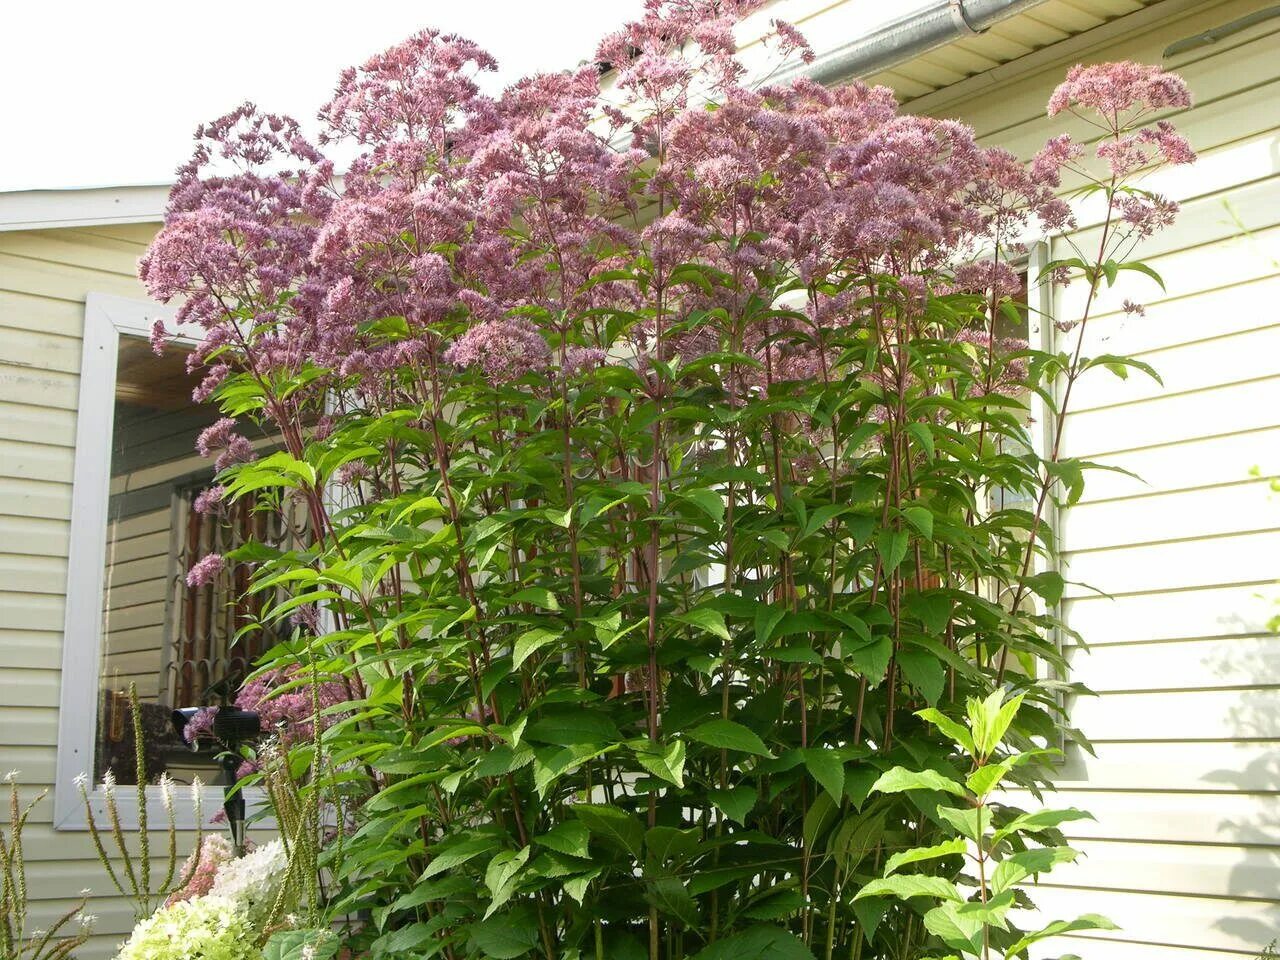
{"points": [[130, 616]]}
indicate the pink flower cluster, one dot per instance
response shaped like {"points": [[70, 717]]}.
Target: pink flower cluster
{"points": [[471, 235]]}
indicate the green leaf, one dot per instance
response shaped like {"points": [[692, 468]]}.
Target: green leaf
{"points": [[972, 822], [776, 904], [706, 618], [729, 735], [918, 854], [924, 672], [956, 731], [892, 547], [666, 765], [900, 779], [612, 824], [1040, 821], [920, 518], [530, 642], [986, 778], [904, 886], [535, 596], [671, 897], [871, 659], [294, 944], [762, 942], [709, 502], [1018, 866], [735, 802], [569, 837], [955, 928], [827, 768], [576, 727], [1088, 921], [500, 877], [457, 854], [1143, 269], [506, 935]]}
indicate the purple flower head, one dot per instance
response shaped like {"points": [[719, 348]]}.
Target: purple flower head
{"points": [[503, 350], [209, 500], [200, 724], [205, 570], [1116, 89]]}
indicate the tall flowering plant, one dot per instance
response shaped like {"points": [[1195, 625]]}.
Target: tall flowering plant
{"points": [[649, 440]]}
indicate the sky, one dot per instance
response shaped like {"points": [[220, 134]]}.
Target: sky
{"points": [[109, 92]]}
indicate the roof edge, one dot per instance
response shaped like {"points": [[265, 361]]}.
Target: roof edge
{"points": [[82, 207]]}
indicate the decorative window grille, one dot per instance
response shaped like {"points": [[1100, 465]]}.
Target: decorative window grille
{"points": [[206, 655]]}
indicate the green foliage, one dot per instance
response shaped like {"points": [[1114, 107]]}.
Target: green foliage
{"points": [[968, 910]]}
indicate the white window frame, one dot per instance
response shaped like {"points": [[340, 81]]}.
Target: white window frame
{"points": [[106, 320]]}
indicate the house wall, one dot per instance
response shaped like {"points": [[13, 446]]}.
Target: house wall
{"points": [[44, 277], [1185, 852]]}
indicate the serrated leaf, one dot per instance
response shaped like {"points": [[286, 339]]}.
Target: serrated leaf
{"points": [[705, 618], [762, 942], [530, 642], [667, 765], [953, 729], [506, 935], [904, 886], [570, 837], [1016, 867], [900, 779], [736, 802], [612, 824], [827, 768], [729, 735], [918, 854]]}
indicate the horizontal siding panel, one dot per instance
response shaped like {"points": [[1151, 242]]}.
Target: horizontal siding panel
{"points": [[1236, 661], [141, 638], [139, 548], [1208, 511], [35, 764], [28, 727], [1236, 715], [1205, 462], [1185, 272], [63, 281], [133, 594], [30, 648], [29, 461], [28, 423], [1220, 561], [149, 568], [1191, 319], [36, 535], [1181, 615], [136, 617], [1201, 922], [19, 384], [1237, 819], [33, 574], [38, 349], [139, 525], [1178, 868], [1197, 366], [73, 248], [1245, 767], [55, 316], [1231, 408], [29, 688], [31, 611], [20, 497]]}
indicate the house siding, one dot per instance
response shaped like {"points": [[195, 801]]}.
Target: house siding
{"points": [[1185, 852], [44, 278]]}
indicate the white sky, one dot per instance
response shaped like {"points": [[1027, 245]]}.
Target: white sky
{"points": [[108, 92]]}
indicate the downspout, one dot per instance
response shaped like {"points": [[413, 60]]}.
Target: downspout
{"points": [[911, 36]]}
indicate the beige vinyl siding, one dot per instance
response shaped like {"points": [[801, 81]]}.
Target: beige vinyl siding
{"points": [[44, 277], [1185, 852]]}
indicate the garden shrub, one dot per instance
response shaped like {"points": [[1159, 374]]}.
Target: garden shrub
{"points": [[664, 454]]}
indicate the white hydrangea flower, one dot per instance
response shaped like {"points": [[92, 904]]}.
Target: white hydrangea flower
{"points": [[253, 881]]}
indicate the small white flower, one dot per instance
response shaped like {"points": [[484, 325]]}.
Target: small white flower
{"points": [[85, 891], [309, 952], [11, 776], [109, 783], [82, 780], [166, 793], [87, 919]]}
